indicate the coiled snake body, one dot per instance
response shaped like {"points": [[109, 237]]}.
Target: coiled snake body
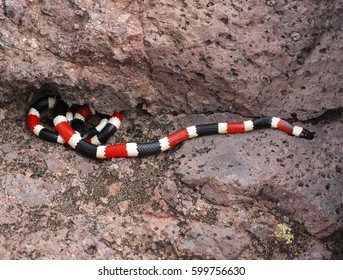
{"points": [[68, 123]]}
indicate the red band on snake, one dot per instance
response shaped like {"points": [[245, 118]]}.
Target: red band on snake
{"points": [[94, 149]]}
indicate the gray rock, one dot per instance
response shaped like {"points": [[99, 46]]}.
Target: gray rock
{"points": [[15, 10]]}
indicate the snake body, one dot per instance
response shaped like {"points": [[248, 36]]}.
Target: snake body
{"points": [[76, 116], [94, 147]]}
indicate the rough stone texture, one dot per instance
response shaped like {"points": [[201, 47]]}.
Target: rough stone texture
{"points": [[263, 165], [251, 57], [216, 197]]}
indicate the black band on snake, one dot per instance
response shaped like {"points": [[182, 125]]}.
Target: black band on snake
{"points": [[93, 146]]}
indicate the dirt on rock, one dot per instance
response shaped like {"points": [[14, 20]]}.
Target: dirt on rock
{"points": [[168, 65]]}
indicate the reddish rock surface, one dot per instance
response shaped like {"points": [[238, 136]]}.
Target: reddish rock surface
{"points": [[249, 57], [216, 197]]}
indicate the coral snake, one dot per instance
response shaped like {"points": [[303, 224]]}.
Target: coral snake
{"points": [[69, 124]]}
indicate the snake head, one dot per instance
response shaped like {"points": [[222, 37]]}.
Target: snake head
{"points": [[306, 134]]}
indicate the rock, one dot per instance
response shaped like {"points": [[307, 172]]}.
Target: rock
{"points": [[205, 241], [295, 174], [255, 59], [244, 57], [214, 197], [15, 10], [6, 40]]}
